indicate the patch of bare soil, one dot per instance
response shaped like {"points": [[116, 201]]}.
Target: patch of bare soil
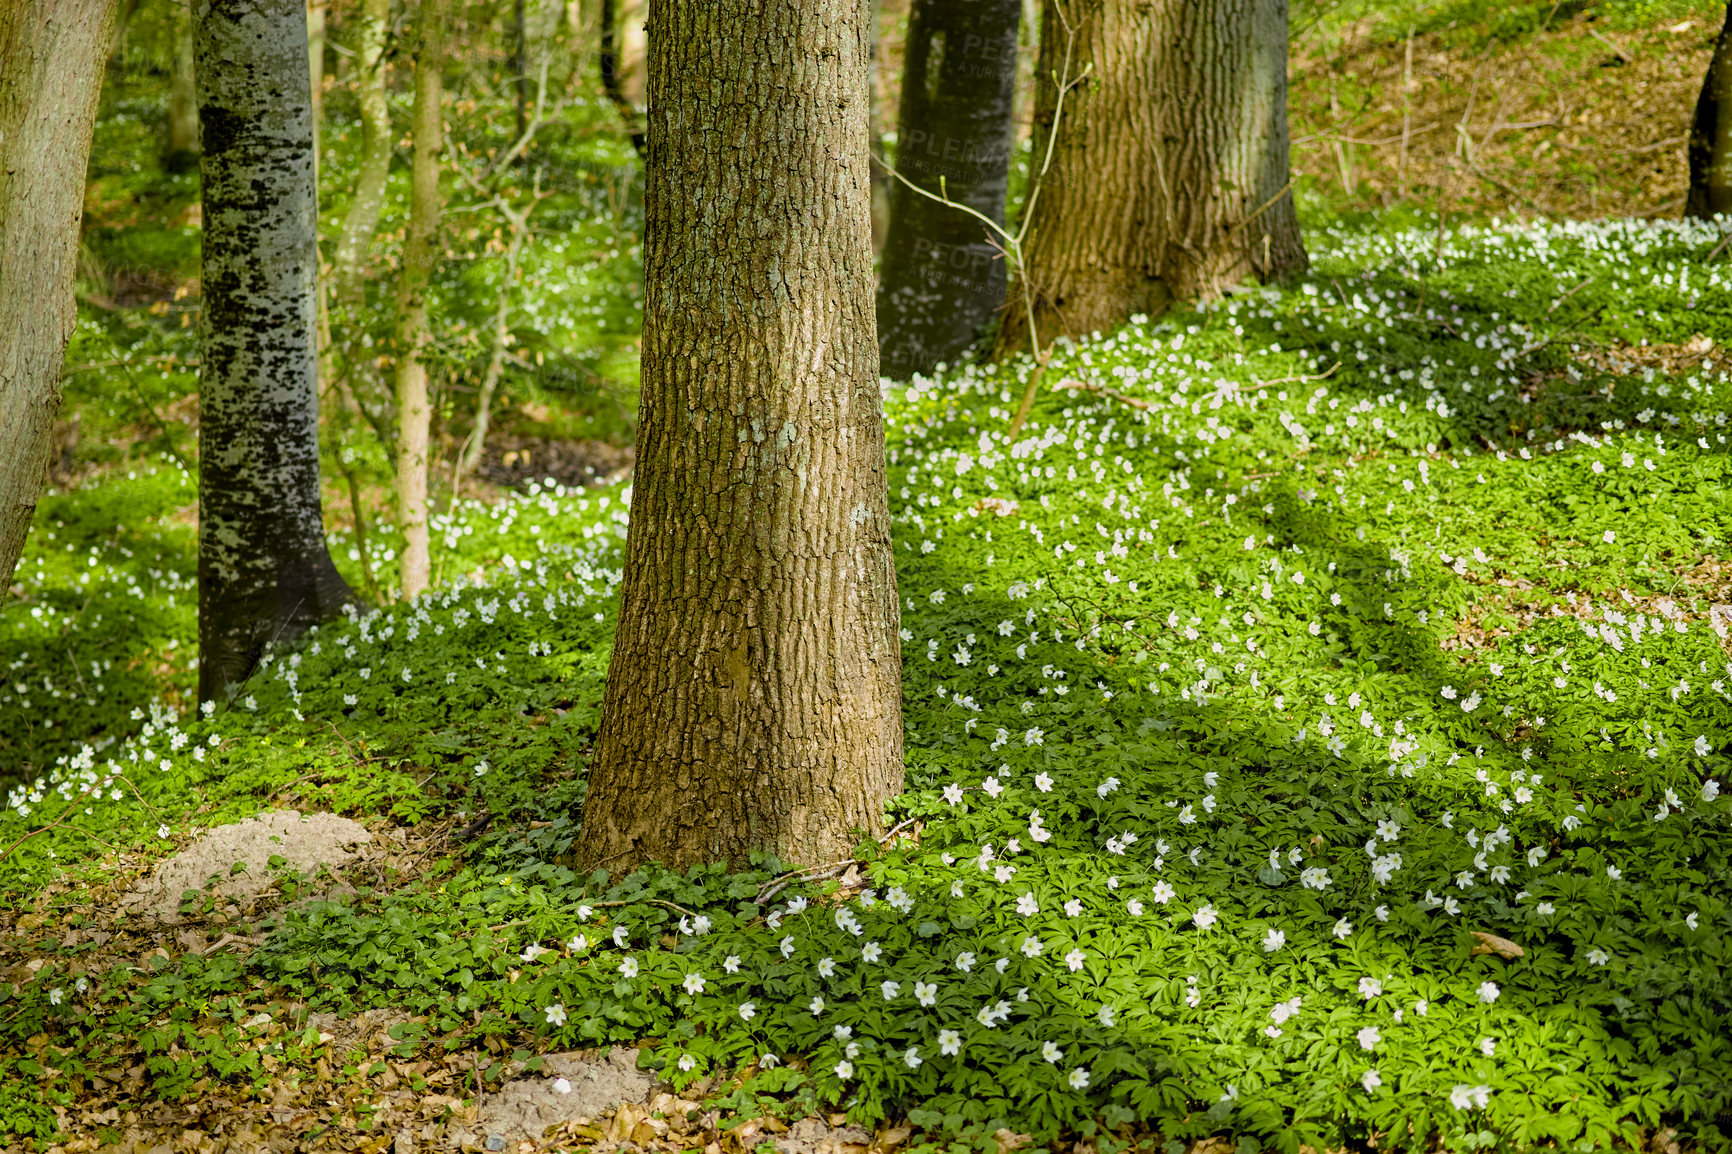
{"points": [[602, 1101], [1512, 606], [1574, 121], [246, 859], [513, 461]]}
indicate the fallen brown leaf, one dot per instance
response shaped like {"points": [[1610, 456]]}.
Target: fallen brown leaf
{"points": [[1492, 944]]}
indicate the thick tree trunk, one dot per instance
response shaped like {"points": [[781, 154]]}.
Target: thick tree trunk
{"points": [[420, 253], [51, 58], [182, 101], [263, 571], [1169, 176], [942, 279], [753, 699], [1711, 135], [362, 219]]}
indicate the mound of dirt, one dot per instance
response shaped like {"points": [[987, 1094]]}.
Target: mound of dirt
{"points": [[576, 1086], [514, 461], [239, 856], [602, 1101]]}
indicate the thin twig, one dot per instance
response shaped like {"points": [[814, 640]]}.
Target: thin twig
{"points": [[1568, 295], [1302, 380], [70, 810], [1102, 390], [1406, 117], [1607, 41], [775, 885]]}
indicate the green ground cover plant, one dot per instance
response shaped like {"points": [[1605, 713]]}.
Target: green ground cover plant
{"points": [[1298, 642]]}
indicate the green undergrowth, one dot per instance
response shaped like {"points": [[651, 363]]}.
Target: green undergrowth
{"points": [[1295, 642]]}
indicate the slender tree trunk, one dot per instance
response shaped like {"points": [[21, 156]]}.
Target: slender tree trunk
{"points": [[420, 253], [610, 79], [519, 65], [369, 199], [753, 699], [1170, 168], [263, 570], [368, 392], [316, 73], [942, 279], [51, 58], [470, 457], [182, 101], [1711, 135]]}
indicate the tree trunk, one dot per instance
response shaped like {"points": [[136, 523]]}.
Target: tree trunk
{"points": [[753, 698], [942, 279], [182, 102], [519, 63], [420, 252], [1711, 135], [316, 72], [263, 570], [51, 58], [369, 199], [1169, 176], [469, 457], [610, 78]]}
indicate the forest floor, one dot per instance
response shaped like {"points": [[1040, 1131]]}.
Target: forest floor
{"points": [[1316, 727]]}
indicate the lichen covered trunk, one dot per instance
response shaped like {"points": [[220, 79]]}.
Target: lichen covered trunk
{"points": [[420, 252], [1169, 176], [51, 58], [263, 570], [753, 699], [942, 278], [1710, 147]]}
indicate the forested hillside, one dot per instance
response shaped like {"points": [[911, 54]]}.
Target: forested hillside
{"points": [[955, 575]]}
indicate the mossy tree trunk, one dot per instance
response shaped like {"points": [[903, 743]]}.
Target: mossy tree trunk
{"points": [[264, 573], [1170, 172], [420, 253], [51, 62], [1711, 135], [753, 699], [942, 279]]}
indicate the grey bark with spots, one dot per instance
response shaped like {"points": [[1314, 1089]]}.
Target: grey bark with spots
{"points": [[941, 280], [51, 58], [264, 573], [753, 700], [1170, 170]]}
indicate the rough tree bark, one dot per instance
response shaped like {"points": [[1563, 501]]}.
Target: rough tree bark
{"points": [[420, 253], [263, 570], [941, 280], [1170, 171], [1711, 135], [51, 58], [362, 219], [753, 699]]}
